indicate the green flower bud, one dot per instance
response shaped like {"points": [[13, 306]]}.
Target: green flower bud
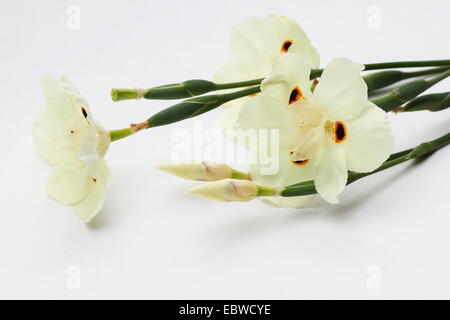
{"points": [[431, 102], [195, 106], [406, 92]]}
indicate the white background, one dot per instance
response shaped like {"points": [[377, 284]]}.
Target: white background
{"points": [[153, 241]]}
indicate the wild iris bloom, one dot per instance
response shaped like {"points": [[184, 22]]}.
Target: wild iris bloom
{"points": [[68, 138], [255, 44], [323, 133]]}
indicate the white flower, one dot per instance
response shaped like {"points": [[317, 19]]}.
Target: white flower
{"points": [[323, 133], [255, 44], [67, 137]]}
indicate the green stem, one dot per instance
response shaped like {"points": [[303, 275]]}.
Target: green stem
{"points": [[426, 148], [196, 106], [235, 174], [392, 65], [407, 64], [196, 87], [383, 79], [406, 92], [425, 72], [233, 85], [120, 134], [266, 191], [183, 110], [199, 105], [431, 102], [186, 89]]}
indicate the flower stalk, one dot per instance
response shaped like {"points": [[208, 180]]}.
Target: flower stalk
{"points": [[186, 89], [196, 106], [184, 110], [426, 148], [120, 134], [431, 102], [383, 79], [226, 189], [393, 65], [406, 92], [203, 171], [196, 87]]}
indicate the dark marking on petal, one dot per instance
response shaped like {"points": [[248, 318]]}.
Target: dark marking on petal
{"points": [[340, 132], [83, 111], [286, 45], [94, 180], [296, 94], [300, 162], [72, 132]]}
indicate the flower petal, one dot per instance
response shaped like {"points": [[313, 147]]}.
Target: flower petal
{"points": [[283, 29], [280, 171], [370, 141], [249, 43], [290, 202], [331, 175], [69, 185], [59, 130], [290, 72], [232, 72], [70, 90], [89, 207], [63, 100], [341, 89], [260, 41], [265, 113], [255, 44], [230, 116], [58, 102], [56, 140]]}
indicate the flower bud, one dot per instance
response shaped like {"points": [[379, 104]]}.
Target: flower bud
{"points": [[201, 171], [383, 79], [196, 106], [431, 102], [186, 89], [406, 92], [227, 190]]}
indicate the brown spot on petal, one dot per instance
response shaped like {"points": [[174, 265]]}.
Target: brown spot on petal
{"points": [[286, 45], [94, 180], [296, 94], [84, 112], [314, 84], [300, 162], [339, 131]]}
